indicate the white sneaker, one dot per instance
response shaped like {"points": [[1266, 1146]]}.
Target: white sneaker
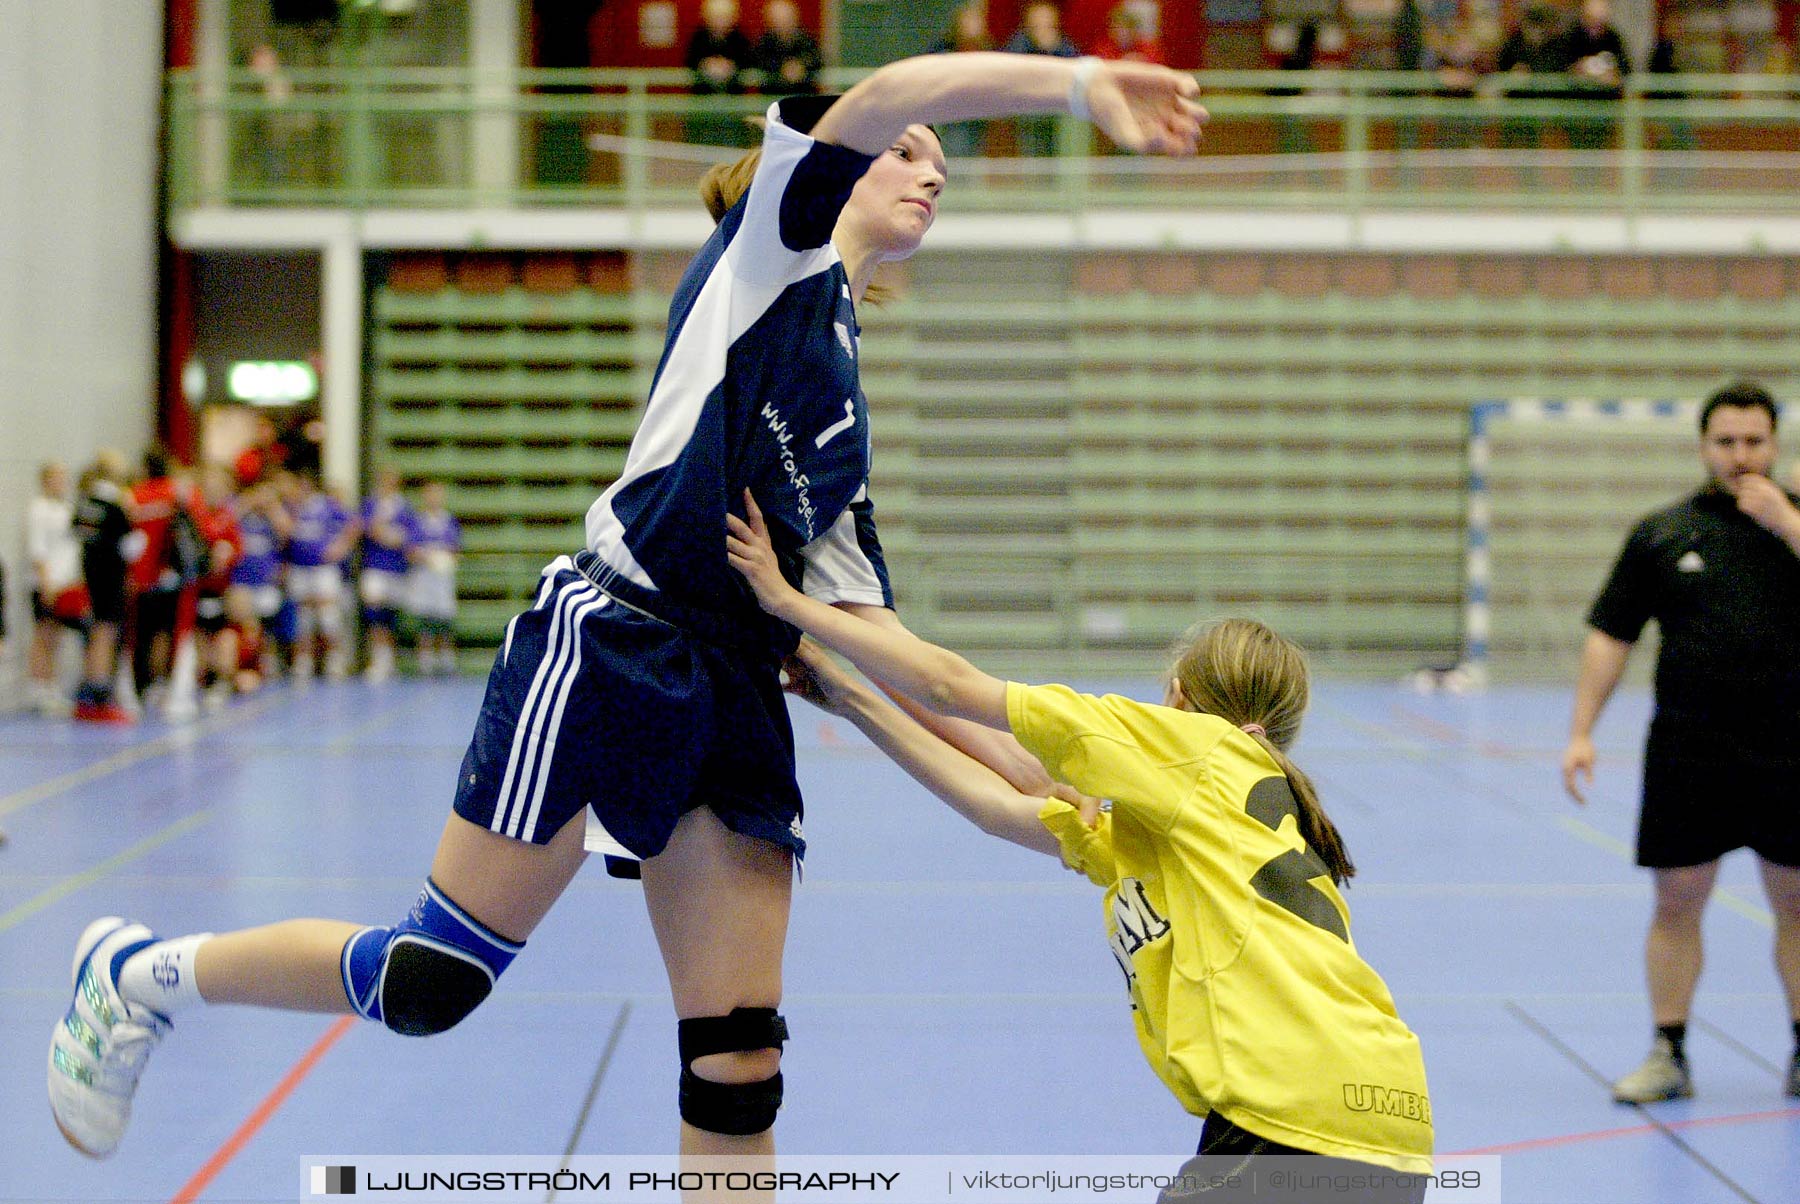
{"points": [[381, 665], [99, 1048], [1662, 1076], [51, 704], [181, 708]]}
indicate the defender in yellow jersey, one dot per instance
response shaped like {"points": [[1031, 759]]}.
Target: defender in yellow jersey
{"points": [[1221, 871]]}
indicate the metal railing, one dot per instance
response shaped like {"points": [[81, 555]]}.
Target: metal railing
{"points": [[1334, 140]]}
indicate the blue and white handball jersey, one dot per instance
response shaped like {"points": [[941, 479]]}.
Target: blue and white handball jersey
{"points": [[757, 387], [644, 682]]}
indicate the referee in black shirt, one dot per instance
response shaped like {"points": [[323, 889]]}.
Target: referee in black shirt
{"points": [[1720, 574]]}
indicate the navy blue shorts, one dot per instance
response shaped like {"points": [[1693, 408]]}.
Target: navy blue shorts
{"points": [[592, 704]]}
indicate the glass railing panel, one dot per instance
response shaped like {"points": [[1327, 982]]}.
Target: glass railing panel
{"points": [[1337, 140]]}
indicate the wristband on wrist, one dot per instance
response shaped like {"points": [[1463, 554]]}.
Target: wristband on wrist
{"points": [[1078, 86]]}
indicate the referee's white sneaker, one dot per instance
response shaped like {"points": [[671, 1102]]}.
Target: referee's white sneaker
{"points": [[99, 1047], [1662, 1076]]}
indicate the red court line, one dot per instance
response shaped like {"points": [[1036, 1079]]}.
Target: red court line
{"points": [[1703, 1122], [222, 1157]]}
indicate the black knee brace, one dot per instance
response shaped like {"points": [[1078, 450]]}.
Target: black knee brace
{"points": [[736, 1109]]}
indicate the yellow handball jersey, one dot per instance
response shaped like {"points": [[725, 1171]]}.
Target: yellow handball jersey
{"points": [[1247, 992]]}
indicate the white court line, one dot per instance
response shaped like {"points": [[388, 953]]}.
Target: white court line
{"points": [[181, 737], [1729, 899], [375, 723], [74, 882], [1578, 828]]}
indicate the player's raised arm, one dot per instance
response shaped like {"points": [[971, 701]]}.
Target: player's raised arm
{"points": [[1141, 107]]}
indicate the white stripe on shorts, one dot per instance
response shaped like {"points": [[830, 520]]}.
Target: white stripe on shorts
{"points": [[525, 749], [548, 757]]}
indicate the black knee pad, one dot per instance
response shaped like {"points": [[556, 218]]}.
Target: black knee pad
{"points": [[429, 991], [734, 1109], [427, 974]]}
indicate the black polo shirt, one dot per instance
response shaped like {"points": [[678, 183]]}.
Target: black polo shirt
{"points": [[1725, 593]]}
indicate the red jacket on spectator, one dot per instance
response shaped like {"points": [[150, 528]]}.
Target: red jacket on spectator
{"points": [[224, 544], [151, 503]]}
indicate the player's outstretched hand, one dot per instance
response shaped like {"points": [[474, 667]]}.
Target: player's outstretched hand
{"points": [[1086, 805], [1578, 767], [1146, 108], [751, 553], [811, 674]]}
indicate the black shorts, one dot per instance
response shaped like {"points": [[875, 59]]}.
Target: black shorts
{"points": [[156, 611], [106, 594], [1228, 1170], [1710, 788], [594, 705]]}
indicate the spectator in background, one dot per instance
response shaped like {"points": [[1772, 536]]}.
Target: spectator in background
{"points": [[1128, 36], [318, 547], [263, 525], [386, 523], [718, 55], [1409, 37], [1040, 32], [436, 543], [171, 563], [264, 455], [1535, 48], [224, 545], [239, 658], [1665, 55], [302, 446], [1598, 65], [1457, 47], [285, 137], [1292, 135], [968, 32], [58, 601], [786, 54], [109, 544]]}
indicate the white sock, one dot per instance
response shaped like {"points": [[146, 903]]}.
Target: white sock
{"points": [[161, 976]]}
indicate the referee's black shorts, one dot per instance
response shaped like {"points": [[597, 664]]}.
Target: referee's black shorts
{"points": [[1713, 785]]}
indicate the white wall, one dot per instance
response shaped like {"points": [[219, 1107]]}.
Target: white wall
{"points": [[79, 84]]}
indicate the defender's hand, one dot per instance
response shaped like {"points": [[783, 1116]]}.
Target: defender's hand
{"points": [[751, 553]]}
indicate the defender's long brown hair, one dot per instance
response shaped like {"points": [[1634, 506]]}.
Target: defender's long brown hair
{"points": [[1243, 672]]}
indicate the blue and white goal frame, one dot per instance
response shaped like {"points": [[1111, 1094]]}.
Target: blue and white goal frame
{"points": [[1478, 565]]}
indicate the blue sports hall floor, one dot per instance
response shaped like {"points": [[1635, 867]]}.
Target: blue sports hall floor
{"points": [[947, 993]]}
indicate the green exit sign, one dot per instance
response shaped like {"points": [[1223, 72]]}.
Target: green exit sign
{"points": [[272, 382]]}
